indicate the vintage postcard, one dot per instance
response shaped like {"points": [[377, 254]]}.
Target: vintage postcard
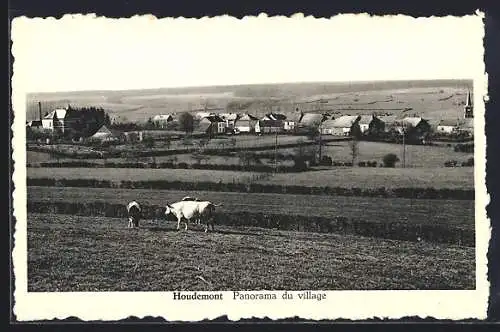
{"points": [[189, 169]]}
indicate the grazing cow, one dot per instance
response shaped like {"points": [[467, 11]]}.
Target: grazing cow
{"points": [[192, 209], [195, 199], [134, 214]]}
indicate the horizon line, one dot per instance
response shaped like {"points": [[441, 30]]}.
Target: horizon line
{"points": [[253, 84]]}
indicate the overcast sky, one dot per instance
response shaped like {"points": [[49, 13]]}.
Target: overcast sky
{"points": [[87, 53]]}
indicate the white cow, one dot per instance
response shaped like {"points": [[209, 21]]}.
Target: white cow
{"points": [[192, 209], [134, 214]]}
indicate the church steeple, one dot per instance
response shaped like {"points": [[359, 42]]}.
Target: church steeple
{"points": [[468, 108]]}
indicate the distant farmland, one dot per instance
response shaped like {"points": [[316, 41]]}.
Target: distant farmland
{"points": [[432, 99]]}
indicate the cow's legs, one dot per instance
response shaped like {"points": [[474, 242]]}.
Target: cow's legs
{"points": [[178, 223], [129, 222], [186, 225]]}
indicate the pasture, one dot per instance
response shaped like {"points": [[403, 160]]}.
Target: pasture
{"points": [[370, 209], [74, 253], [346, 177], [416, 155]]}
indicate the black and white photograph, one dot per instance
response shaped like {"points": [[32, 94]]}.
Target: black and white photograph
{"points": [[264, 162]]}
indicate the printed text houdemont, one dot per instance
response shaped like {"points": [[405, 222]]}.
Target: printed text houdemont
{"points": [[306, 295]]}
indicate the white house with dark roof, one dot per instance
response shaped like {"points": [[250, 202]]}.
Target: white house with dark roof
{"points": [[448, 126], [162, 120], [341, 126], [246, 123], [55, 120]]}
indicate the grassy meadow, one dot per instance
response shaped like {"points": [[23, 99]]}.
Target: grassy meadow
{"points": [[74, 253]]}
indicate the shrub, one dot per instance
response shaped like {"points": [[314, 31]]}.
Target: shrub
{"points": [[362, 164], [390, 160], [326, 161], [450, 163]]}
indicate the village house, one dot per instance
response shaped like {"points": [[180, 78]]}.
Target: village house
{"points": [[342, 126], [55, 120], [448, 126], [370, 124], [388, 121], [274, 117], [103, 134], [35, 124], [269, 126], [230, 119], [246, 123], [212, 125], [162, 120], [311, 120], [415, 124], [289, 125]]}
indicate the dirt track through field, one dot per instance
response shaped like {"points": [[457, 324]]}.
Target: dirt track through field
{"points": [[74, 253]]}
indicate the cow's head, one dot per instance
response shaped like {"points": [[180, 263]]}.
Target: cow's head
{"points": [[168, 209]]}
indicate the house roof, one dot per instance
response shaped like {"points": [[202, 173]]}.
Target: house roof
{"points": [[449, 122], [248, 117], [160, 117], [202, 127], [103, 131], [311, 119], [388, 119], [366, 119], [213, 118], [229, 116], [34, 123], [274, 116], [345, 121], [60, 113], [410, 120]]}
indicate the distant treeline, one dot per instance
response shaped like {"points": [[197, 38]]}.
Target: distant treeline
{"points": [[439, 233], [415, 193]]}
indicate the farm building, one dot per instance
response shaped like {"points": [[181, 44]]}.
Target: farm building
{"points": [[203, 114], [35, 124], [311, 120], [246, 123], [447, 126], [274, 117], [269, 126], [82, 122], [417, 124], [104, 134], [289, 125], [212, 125], [161, 120], [388, 120], [342, 126], [229, 118], [371, 124], [55, 120], [133, 136]]}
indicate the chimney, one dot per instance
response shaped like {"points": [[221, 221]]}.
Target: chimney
{"points": [[40, 111]]}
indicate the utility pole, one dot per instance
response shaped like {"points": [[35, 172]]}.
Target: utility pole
{"points": [[276, 154], [404, 145], [320, 143]]}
